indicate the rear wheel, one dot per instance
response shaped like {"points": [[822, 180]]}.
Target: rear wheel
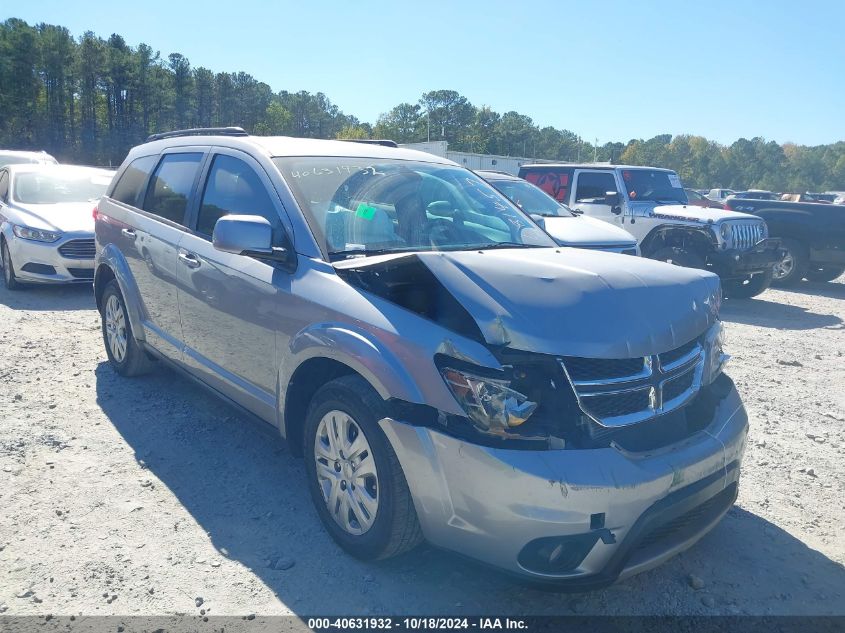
{"points": [[679, 257], [791, 269], [747, 288], [824, 273], [125, 355], [354, 476], [10, 280]]}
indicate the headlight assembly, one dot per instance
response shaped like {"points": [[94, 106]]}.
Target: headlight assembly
{"points": [[715, 358], [489, 402], [726, 231], [36, 235]]}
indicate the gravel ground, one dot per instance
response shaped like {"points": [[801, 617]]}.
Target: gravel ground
{"points": [[147, 496]]}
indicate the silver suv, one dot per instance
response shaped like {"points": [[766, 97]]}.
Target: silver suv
{"points": [[447, 372]]}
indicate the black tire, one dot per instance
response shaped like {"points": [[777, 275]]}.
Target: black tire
{"points": [[135, 360], [794, 264], [10, 280], [824, 273], [395, 529], [679, 257], [745, 289]]}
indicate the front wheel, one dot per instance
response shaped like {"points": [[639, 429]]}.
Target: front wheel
{"points": [[354, 476], [824, 273], [791, 269], [747, 288], [10, 280]]}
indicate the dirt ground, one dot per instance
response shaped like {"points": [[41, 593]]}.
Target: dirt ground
{"points": [[147, 496]]}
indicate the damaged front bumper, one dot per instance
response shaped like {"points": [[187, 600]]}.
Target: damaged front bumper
{"points": [[577, 518], [733, 263]]}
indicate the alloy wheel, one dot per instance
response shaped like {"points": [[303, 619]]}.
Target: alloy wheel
{"points": [[784, 267], [346, 472], [116, 328]]}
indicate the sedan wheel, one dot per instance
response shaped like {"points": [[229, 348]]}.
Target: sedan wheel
{"points": [[346, 472], [9, 277]]}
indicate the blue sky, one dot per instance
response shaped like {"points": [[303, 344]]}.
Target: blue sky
{"points": [[608, 69]]}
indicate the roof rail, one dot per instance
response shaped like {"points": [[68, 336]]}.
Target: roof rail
{"points": [[199, 131], [372, 141]]}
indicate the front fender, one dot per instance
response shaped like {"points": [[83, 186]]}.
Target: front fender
{"points": [[111, 258], [396, 369]]}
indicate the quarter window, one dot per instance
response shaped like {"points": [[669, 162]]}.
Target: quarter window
{"points": [[4, 186], [171, 185], [128, 189], [593, 186], [233, 187]]}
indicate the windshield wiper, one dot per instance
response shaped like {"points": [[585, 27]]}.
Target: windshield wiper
{"points": [[369, 252], [492, 245]]}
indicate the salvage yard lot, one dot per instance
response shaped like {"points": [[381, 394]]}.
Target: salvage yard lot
{"points": [[147, 496]]}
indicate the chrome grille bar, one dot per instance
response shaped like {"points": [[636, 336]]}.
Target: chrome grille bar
{"points": [[629, 399]]}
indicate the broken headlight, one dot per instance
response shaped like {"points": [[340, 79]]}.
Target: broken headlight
{"points": [[489, 402], [715, 358]]}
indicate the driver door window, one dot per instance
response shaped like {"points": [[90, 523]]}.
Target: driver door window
{"points": [[233, 188], [592, 187]]}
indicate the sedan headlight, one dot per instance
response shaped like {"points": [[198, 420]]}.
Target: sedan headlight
{"points": [[37, 235], [715, 358], [489, 402]]}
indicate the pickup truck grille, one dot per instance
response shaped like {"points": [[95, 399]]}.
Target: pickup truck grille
{"points": [[744, 235], [624, 391], [78, 249]]}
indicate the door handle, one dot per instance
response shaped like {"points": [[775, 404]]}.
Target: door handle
{"points": [[128, 234], [189, 259]]}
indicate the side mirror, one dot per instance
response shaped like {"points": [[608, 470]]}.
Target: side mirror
{"points": [[249, 235], [539, 219], [612, 198]]}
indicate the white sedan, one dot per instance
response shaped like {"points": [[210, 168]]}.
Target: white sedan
{"points": [[47, 224]]}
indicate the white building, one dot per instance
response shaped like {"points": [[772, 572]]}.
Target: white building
{"points": [[472, 160]]}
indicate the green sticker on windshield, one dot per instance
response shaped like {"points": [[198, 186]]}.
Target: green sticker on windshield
{"points": [[365, 211]]}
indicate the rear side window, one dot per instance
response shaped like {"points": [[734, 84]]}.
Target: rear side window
{"points": [[130, 186], [555, 183], [593, 186], [233, 187], [171, 185]]}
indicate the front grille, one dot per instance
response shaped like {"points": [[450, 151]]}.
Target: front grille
{"points": [[624, 391], [584, 369], [624, 403], [78, 249], [745, 235], [81, 273]]}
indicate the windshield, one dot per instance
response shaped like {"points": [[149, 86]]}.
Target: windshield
{"points": [[361, 206], [654, 186], [49, 187], [531, 199]]}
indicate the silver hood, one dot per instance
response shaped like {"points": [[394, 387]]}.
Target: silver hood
{"points": [[581, 230], [691, 213], [573, 302], [64, 217]]}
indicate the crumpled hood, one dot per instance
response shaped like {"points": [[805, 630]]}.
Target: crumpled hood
{"points": [[573, 302], [692, 213], [581, 230], [65, 217]]}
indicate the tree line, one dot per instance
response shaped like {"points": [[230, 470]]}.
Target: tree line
{"points": [[89, 100]]}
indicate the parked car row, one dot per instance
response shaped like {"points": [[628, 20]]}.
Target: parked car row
{"points": [[448, 371]]}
